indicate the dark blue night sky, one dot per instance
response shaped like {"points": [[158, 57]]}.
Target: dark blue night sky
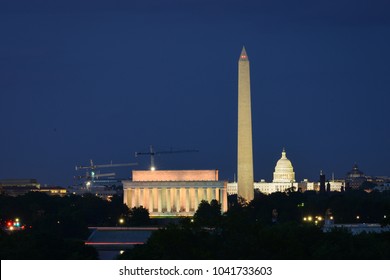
{"points": [[102, 80]]}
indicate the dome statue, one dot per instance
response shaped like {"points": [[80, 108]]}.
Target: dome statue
{"points": [[284, 171]]}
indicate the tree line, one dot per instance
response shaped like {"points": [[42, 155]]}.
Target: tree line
{"points": [[273, 227], [269, 227]]}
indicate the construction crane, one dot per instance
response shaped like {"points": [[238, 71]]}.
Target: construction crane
{"points": [[92, 167], [152, 153]]}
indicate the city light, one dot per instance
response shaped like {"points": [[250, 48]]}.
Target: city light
{"points": [[121, 220], [13, 225], [316, 219]]}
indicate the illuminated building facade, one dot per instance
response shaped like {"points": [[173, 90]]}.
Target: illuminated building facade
{"points": [[173, 192], [284, 180]]}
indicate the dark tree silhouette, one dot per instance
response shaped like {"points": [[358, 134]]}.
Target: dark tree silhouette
{"points": [[208, 214], [139, 216]]}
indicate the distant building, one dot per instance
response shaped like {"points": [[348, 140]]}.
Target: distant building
{"points": [[15, 187], [110, 242], [357, 228], [52, 190], [173, 192], [378, 180], [354, 178], [284, 180], [103, 188], [382, 187]]}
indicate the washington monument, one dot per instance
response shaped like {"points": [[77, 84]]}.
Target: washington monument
{"points": [[244, 146]]}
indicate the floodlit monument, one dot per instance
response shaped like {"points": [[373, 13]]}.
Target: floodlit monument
{"points": [[173, 192], [284, 180], [244, 141], [284, 171]]}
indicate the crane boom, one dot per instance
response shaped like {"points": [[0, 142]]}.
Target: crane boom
{"points": [[93, 166]]}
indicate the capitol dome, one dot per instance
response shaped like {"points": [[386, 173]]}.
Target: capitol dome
{"points": [[284, 171]]}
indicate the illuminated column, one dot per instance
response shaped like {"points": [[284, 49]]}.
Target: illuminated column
{"points": [[224, 199], [151, 200], [208, 194], [164, 199], [187, 197], [130, 197], [204, 194], [146, 198], [177, 200], [137, 197], [173, 191], [213, 196], [168, 199], [196, 198], [159, 202], [141, 198], [125, 195], [183, 199], [221, 199], [133, 198], [244, 142], [217, 196], [192, 199]]}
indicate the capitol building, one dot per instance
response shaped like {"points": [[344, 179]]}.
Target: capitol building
{"points": [[284, 180]]}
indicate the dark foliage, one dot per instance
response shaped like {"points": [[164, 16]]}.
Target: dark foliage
{"points": [[55, 226], [139, 216], [208, 214], [26, 245], [247, 232]]}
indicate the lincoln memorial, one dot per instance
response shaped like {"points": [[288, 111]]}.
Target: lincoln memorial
{"points": [[173, 192]]}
